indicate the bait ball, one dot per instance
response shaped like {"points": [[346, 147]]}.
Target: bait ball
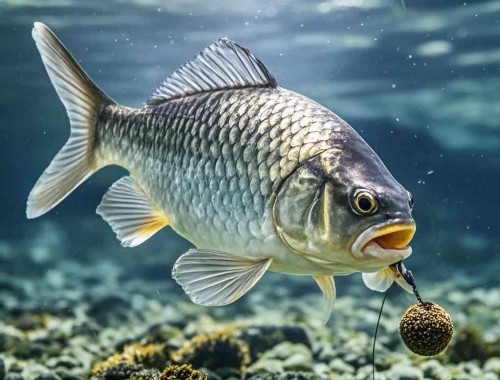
{"points": [[426, 328]]}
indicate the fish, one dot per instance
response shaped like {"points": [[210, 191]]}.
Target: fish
{"points": [[258, 178]]}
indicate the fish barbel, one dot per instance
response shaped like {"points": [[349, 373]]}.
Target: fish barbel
{"points": [[256, 177]]}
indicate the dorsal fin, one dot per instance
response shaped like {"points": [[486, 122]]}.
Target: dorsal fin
{"points": [[222, 65]]}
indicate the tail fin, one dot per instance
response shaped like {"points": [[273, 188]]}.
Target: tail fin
{"points": [[83, 101]]}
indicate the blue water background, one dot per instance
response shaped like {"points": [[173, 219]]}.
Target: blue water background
{"points": [[419, 80]]}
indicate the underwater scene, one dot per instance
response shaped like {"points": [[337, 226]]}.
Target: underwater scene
{"points": [[238, 230]]}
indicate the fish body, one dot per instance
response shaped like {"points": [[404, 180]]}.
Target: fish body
{"points": [[214, 163], [257, 177]]}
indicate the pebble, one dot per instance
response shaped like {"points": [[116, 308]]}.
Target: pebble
{"points": [[267, 365], [14, 376], [66, 374], [10, 337], [434, 370], [341, 367], [286, 349], [38, 372], [62, 362], [327, 353], [263, 338], [492, 365], [289, 376], [489, 376], [298, 362], [472, 368], [405, 372]]}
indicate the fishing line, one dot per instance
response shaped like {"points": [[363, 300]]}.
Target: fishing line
{"points": [[408, 276], [376, 331]]}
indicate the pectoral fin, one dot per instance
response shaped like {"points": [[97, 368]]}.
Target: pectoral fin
{"points": [[327, 286], [130, 212], [383, 279], [213, 278]]}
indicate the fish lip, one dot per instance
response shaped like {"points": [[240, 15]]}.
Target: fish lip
{"points": [[383, 229]]}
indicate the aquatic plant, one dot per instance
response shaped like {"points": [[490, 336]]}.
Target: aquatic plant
{"points": [[469, 344], [214, 351], [182, 372], [151, 355], [101, 367], [126, 371], [135, 354], [144, 374]]}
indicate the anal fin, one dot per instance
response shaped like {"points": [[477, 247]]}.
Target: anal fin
{"points": [[327, 286], [214, 278], [130, 212]]}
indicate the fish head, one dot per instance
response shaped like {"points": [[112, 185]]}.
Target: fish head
{"points": [[343, 210]]}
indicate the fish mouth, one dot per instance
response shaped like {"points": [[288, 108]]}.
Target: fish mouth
{"points": [[387, 241]]}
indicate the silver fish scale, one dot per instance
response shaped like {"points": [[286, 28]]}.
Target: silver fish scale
{"points": [[214, 161]]}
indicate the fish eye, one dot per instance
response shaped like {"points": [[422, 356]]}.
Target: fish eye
{"points": [[411, 202], [364, 202]]}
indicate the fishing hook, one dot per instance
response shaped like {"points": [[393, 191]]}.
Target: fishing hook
{"points": [[408, 276]]}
